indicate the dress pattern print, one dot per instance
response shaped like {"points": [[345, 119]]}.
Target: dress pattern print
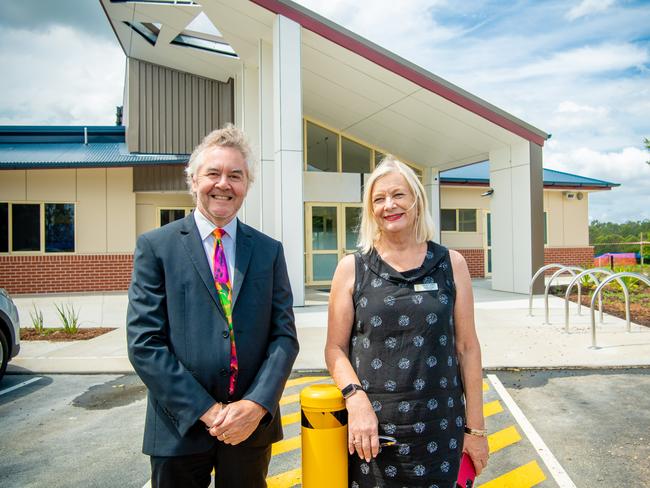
{"points": [[402, 348]]}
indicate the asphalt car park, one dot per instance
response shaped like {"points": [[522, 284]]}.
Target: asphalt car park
{"points": [[547, 429]]}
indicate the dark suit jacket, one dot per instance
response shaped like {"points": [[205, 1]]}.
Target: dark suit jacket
{"points": [[178, 335]]}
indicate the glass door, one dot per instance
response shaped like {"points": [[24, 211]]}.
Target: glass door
{"points": [[331, 231]]}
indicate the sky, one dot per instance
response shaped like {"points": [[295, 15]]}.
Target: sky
{"points": [[577, 69]]}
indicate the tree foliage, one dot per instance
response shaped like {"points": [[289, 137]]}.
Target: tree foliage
{"points": [[602, 235]]}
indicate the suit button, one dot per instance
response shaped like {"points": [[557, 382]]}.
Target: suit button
{"points": [[223, 372], [225, 334]]}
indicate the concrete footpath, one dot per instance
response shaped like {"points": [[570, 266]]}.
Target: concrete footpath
{"points": [[509, 337]]}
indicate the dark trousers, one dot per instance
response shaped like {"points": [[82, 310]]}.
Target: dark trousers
{"points": [[235, 467]]}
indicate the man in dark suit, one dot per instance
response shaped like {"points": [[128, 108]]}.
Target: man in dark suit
{"points": [[211, 330]]}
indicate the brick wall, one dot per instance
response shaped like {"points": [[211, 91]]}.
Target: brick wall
{"points": [[475, 261], [65, 274], [574, 256]]}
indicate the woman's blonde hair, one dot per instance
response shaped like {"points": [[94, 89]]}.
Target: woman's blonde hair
{"points": [[369, 230]]}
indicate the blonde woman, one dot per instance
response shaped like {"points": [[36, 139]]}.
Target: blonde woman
{"points": [[402, 346]]}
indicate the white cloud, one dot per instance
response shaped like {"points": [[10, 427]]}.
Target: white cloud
{"points": [[588, 7], [60, 76], [627, 167]]}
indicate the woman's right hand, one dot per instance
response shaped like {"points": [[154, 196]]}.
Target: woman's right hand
{"points": [[363, 435]]}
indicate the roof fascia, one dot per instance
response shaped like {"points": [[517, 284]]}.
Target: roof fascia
{"points": [[390, 61]]}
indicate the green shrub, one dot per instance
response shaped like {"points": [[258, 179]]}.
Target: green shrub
{"points": [[37, 319], [69, 318]]}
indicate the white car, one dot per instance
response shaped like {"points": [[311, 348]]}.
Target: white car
{"points": [[9, 330]]}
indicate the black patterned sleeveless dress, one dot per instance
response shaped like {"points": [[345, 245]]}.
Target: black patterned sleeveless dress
{"points": [[402, 348]]}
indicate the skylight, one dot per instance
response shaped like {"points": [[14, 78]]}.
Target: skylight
{"points": [[205, 44], [203, 25], [147, 30]]}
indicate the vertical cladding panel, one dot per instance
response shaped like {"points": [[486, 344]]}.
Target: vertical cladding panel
{"points": [[155, 110], [175, 110], [182, 110], [201, 108], [169, 103]]}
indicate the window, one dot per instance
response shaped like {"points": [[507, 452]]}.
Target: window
{"points": [[355, 158], [168, 215], [59, 227], [322, 149], [458, 220], [466, 220], [37, 227], [448, 219], [332, 151], [545, 228]]}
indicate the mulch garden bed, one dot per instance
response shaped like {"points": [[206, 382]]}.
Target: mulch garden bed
{"points": [[59, 335], [614, 304]]}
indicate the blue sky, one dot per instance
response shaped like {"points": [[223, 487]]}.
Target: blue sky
{"points": [[579, 70]]}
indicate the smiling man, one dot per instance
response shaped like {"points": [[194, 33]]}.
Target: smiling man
{"points": [[211, 330]]}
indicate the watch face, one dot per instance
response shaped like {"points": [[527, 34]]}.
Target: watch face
{"points": [[349, 390]]}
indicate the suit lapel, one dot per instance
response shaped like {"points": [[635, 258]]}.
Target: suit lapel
{"points": [[243, 252], [192, 242]]}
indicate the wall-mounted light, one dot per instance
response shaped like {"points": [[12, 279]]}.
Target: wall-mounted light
{"points": [[488, 193]]}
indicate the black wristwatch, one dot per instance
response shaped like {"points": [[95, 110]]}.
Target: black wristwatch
{"points": [[350, 390]]}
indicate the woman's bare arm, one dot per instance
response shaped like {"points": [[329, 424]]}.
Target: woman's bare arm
{"points": [[362, 421], [468, 351]]}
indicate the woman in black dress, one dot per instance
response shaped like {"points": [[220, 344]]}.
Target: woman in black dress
{"points": [[402, 345]]}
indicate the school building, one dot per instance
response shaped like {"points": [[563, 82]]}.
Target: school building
{"points": [[322, 106]]}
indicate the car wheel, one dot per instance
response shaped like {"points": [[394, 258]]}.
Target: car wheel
{"points": [[4, 354]]}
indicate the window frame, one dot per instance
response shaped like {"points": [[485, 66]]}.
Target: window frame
{"points": [[187, 210], [419, 170], [457, 229], [41, 251]]}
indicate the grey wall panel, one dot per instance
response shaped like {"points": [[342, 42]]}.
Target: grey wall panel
{"points": [[169, 111], [159, 178]]}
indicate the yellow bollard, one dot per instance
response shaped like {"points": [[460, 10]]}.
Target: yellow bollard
{"points": [[324, 435]]}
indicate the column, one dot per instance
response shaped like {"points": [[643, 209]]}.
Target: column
{"points": [[287, 133], [432, 191], [248, 107], [267, 152], [517, 216]]}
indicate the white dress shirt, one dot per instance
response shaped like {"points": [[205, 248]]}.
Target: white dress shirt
{"points": [[228, 240]]}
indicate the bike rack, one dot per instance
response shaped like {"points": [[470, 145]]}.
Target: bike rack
{"points": [[590, 273], [564, 269], [616, 276], [532, 281]]}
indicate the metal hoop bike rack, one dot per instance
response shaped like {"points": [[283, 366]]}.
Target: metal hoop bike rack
{"points": [[532, 281], [590, 273], [565, 269], [613, 277]]}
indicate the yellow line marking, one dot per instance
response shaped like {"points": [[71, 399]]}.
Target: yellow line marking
{"points": [[286, 479], [305, 379], [290, 444], [486, 387], [503, 438], [492, 408], [524, 476], [287, 399], [290, 418]]}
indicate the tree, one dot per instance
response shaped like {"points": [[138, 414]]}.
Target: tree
{"points": [[646, 141]]}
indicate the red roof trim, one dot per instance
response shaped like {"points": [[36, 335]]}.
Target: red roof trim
{"points": [[392, 65], [546, 187]]}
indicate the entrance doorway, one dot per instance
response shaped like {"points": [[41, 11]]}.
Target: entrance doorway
{"points": [[331, 232], [487, 243]]}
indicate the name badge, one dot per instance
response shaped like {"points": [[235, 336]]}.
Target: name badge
{"points": [[426, 287]]}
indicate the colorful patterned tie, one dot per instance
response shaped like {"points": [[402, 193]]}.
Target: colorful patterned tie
{"points": [[224, 290]]}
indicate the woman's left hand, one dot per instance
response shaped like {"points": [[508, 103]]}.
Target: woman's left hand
{"points": [[478, 450]]}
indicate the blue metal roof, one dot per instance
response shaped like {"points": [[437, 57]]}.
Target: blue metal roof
{"points": [[28, 147], [480, 173]]}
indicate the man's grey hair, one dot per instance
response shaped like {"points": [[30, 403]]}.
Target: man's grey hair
{"points": [[227, 136]]}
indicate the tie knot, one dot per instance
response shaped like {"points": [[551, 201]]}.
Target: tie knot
{"points": [[219, 233]]}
